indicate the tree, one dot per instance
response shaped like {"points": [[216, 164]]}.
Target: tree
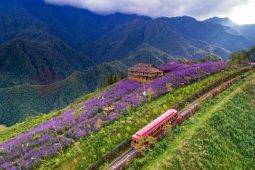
{"points": [[210, 58], [240, 57], [251, 54]]}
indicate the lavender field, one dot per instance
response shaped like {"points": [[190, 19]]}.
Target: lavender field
{"points": [[45, 140]]}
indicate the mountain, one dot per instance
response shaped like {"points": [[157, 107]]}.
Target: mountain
{"points": [[214, 34], [221, 21], [25, 61], [20, 102], [165, 37], [51, 54], [38, 47], [247, 31], [75, 26], [122, 40]]}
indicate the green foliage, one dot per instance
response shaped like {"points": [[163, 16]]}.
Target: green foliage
{"points": [[111, 135], [209, 58], [24, 61], [239, 58], [20, 102], [243, 57], [219, 136], [251, 55], [113, 78]]}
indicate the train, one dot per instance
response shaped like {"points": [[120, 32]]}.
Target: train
{"points": [[169, 119], [155, 129]]}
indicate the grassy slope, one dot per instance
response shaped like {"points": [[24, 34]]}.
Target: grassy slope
{"points": [[84, 152], [19, 102], [10, 132], [213, 139]]}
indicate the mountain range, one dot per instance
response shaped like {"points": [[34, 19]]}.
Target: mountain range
{"points": [[51, 54]]}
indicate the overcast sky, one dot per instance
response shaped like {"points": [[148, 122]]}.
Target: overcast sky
{"points": [[240, 11]]}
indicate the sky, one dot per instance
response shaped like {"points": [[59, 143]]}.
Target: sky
{"points": [[239, 11]]}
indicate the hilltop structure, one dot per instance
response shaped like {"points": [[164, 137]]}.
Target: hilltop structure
{"points": [[144, 72]]}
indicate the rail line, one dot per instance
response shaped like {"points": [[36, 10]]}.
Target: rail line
{"points": [[122, 161], [123, 158]]}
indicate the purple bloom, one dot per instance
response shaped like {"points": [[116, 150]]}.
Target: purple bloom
{"points": [[25, 150]]}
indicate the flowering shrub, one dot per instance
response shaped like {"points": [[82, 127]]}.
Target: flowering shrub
{"points": [[25, 150]]}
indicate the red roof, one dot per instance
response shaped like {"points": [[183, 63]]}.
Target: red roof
{"points": [[154, 123]]}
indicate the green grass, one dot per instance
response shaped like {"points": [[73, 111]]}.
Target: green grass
{"points": [[90, 148], [221, 135]]}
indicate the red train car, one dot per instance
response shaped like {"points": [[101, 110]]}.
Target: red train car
{"points": [[154, 128]]}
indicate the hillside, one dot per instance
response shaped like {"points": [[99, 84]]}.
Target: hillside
{"points": [[248, 30], [221, 21], [25, 61], [213, 138], [20, 102], [68, 100], [48, 48], [121, 41], [214, 34], [180, 94]]}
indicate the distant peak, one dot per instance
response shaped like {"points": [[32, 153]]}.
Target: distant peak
{"points": [[222, 21]]}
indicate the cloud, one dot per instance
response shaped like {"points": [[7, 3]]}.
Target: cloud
{"points": [[155, 8]]}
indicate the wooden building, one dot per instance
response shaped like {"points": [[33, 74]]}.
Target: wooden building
{"points": [[144, 72]]}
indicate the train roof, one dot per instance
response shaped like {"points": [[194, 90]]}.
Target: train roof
{"points": [[155, 122]]}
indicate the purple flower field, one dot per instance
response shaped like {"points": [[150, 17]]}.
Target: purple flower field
{"points": [[48, 138]]}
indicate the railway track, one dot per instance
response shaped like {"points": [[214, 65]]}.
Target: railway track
{"points": [[122, 161]]}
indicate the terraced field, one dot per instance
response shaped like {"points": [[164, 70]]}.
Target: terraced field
{"points": [[221, 135], [113, 134], [84, 152]]}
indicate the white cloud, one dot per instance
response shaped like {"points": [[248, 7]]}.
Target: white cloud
{"points": [[244, 14], [155, 8]]}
